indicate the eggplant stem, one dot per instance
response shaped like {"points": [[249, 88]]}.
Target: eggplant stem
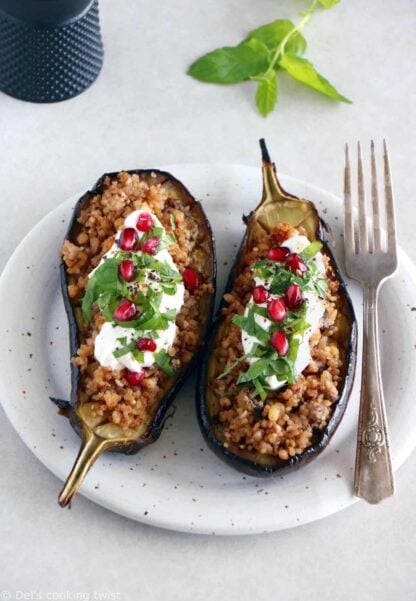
{"points": [[264, 152], [91, 448]]}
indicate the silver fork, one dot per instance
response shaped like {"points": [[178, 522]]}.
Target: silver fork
{"points": [[370, 259]]}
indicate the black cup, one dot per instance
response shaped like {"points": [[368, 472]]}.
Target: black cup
{"points": [[50, 50]]}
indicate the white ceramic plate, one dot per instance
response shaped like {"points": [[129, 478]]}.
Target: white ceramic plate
{"points": [[177, 482]]}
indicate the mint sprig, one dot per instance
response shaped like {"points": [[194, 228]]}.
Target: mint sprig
{"points": [[266, 50]]}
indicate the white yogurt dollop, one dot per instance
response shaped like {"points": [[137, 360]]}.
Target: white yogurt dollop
{"points": [[314, 312], [107, 340]]}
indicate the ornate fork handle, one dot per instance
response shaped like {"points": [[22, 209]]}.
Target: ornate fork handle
{"points": [[373, 472]]}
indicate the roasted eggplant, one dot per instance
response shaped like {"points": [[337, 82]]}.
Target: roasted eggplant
{"points": [[255, 410], [125, 410]]}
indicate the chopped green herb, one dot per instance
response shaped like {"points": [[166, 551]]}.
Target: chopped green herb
{"points": [[104, 279], [230, 367], [124, 350], [311, 250], [259, 388], [249, 325], [162, 359], [138, 355], [256, 369], [172, 223]]}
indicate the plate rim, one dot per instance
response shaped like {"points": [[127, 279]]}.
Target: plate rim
{"points": [[404, 451]]}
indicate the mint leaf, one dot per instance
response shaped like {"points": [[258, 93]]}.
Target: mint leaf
{"points": [[126, 348], [258, 46], [311, 250], [266, 95], [254, 371], [259, 389], [302, 70], [229, 65], [162, 359], [248, 325], [104, 279], [328, 3], [273, 33], [138, 355]]}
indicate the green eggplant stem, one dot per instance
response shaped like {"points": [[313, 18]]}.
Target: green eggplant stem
{"points": [[91, 449]]}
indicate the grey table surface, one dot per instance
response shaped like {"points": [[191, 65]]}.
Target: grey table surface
{"points": [[144, 111]]}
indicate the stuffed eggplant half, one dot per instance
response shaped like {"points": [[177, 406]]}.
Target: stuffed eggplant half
{"points": [[279, 367], [138, 277]]}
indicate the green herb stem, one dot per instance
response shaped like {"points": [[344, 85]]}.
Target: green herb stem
{"points": [[280, 50]]}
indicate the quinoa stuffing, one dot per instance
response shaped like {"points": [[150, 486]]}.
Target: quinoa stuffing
{"points": [[276, 407], [129, 399]]}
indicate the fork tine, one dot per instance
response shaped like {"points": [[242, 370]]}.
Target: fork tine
{"points": [[389, 204], [375, 202], [349, 241], [362, 217]]}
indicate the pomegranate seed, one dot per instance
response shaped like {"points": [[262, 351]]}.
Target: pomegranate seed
{"points": [[128, 239], [277, 309], [293, 296], [295, 263], [280, 342], [278, 253], [190, 279], [134, 377], [146, 344], [150, 246], [260, 295], [125, 311], [144, 222], [127, 270]]}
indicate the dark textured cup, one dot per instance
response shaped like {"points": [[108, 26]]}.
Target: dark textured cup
{"points": [[50, 50]]}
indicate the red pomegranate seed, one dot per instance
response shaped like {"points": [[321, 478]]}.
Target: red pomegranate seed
{"points": [[144, 222], [146, 344], [278, 253], [128, 239], [134, 377], [260, 295], [295, 263], [190, 279], [277, 309], [127, 270], [125, 311], [293, 296], [280, 342], [150, 246]]}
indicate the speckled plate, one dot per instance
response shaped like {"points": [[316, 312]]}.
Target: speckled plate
{"points": [[177, 482]]}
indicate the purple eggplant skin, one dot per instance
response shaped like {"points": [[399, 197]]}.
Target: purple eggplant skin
{"points": [[68, 408], [253, 463]]}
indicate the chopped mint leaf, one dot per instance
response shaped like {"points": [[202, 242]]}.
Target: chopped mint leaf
{"points": [[138, 355], [156, 231], [104, 279], [259, 388], [169, 289], [320, 286], [311, 250], [248, 325], [172, 224], [127, 348], [260, 311], [162, 359], [166, 241], [230, 367], [256, 369], [170, 314], [294, 343]]}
